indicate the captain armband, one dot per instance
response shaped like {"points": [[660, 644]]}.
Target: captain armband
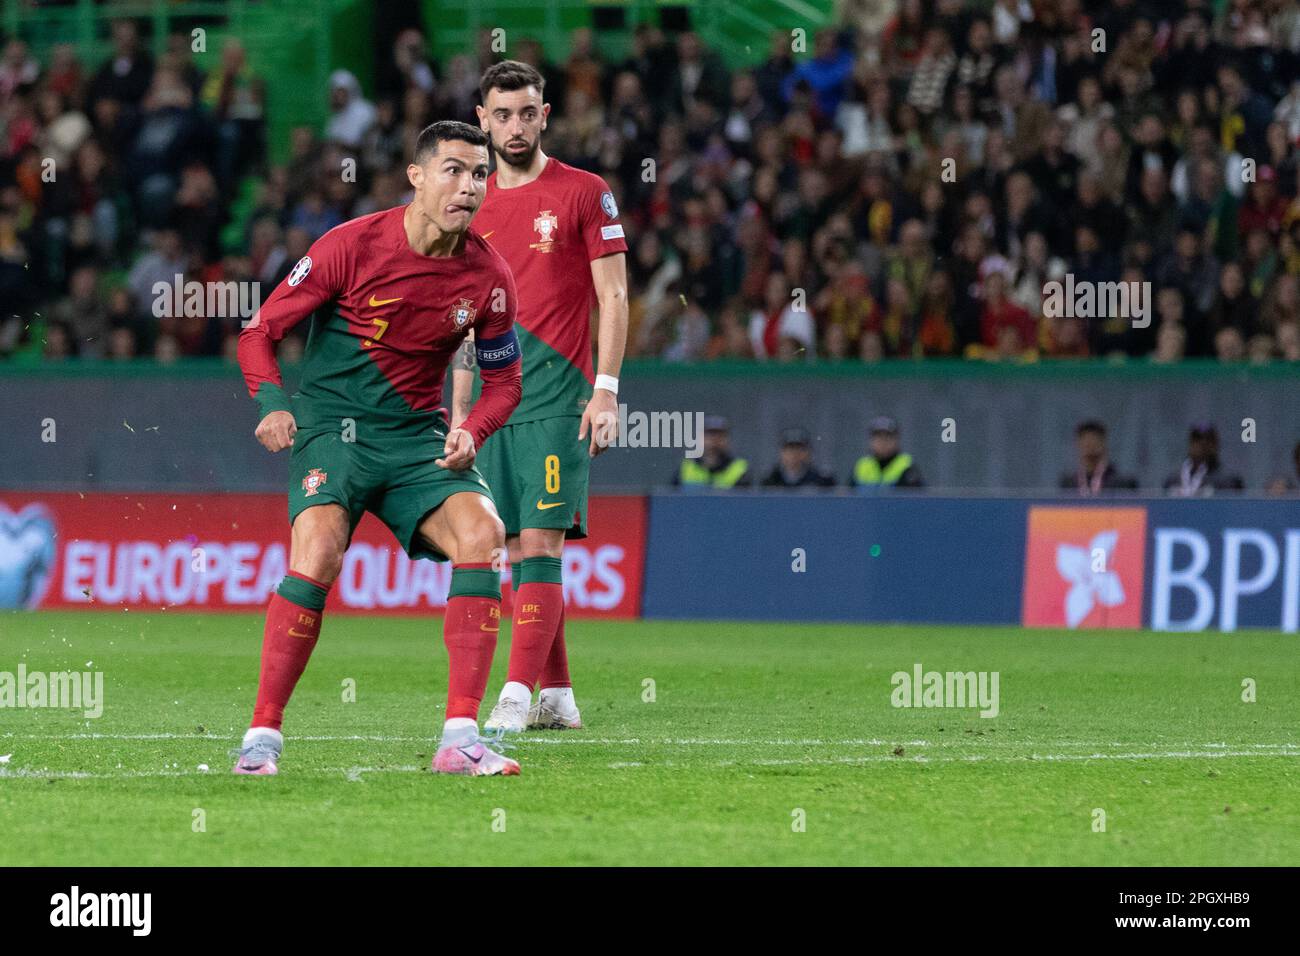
{"points": [[498, 352]]}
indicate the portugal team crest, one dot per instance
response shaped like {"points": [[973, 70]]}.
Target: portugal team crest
{"points": [[546, 224], [463, 312], [312, 483]]}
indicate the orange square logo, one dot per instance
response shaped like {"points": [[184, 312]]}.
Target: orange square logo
{"points": [[1084, 567]]}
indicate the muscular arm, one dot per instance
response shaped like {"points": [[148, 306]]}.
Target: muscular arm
{"points": [[287, 306], [463, 366], [609, 276], [316, 279]]}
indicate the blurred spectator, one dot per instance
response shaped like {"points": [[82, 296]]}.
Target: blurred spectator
{"points": [[84, 313], [885, 464], [824, 75], [700, 79], [125, 76], [1095, 474], [1006, 329], [1264, 207], [172, 135], [1171, 344], [236, 97], [121, 344], [717, 466], [794, 468], [781, 330], [1234, 308], [409, 69], [352, 114], [1287, 484], [18, 69], [1200, 473], [163, 264]]}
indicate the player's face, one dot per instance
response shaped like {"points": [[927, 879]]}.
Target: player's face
{"points": [[451, 184], [514, 121]]}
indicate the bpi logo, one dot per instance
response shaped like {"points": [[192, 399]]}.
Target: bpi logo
{"points": [[1084, 567]]}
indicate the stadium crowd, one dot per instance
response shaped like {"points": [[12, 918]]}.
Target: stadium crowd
{"points": [[904, 188]]}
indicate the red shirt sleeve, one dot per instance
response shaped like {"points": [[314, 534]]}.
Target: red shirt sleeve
{"points": [[497, 347], [317, 278], [602, 233]]}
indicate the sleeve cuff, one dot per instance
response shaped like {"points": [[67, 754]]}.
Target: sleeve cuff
{"points": [[271, 398]]}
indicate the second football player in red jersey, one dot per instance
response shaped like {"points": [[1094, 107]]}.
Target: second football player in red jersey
{"points": [[558, 228]]}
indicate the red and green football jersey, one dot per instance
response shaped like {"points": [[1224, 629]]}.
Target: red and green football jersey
{"points": [[550, 230], [385, 323]]}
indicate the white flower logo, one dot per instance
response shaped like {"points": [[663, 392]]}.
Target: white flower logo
{"points": [[1088, 587]]}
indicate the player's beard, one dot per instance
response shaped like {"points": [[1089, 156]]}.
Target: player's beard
{"points": [[521, 160]]}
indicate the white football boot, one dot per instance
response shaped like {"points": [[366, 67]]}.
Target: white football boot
{"points": [[555, 710], [507, 717]]}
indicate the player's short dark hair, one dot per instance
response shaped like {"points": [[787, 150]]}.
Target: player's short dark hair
{"points": [[1091, 426], [510, 75], [435, 133]]}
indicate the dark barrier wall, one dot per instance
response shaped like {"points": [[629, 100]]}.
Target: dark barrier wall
{"points": [[144, 428], [757, 557], [1171, 565]]}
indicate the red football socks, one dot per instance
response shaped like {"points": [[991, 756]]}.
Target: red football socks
{"points": [[293, 622], [539, 608], [556, 671], [470, 632]]}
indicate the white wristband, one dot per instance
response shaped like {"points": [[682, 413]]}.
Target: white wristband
{"points": [[608, 382]]}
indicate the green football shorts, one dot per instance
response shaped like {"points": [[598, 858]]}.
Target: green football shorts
{"points": [[538, 473], [395, 479]]}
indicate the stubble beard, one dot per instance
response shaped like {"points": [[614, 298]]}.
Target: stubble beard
{"points": [[520, 161]]}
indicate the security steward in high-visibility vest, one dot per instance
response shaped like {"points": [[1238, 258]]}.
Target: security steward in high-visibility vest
{"points": [[886, 466], [716, 467]]}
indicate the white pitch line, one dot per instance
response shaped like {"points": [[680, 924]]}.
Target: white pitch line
{"points": [[354, 773]]}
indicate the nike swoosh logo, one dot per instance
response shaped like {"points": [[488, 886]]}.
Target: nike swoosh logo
{"points": [[293, 633], [469, 756], [531, 620], [490, 630], [542, 507], [377, 302], [488, 233]]}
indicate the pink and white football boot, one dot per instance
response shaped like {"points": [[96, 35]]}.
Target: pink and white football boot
{"points": [[260, 753], [468, 755]]}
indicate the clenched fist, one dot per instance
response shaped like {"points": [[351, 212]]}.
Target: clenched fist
{"points": [[459, 451], [276, 431]]}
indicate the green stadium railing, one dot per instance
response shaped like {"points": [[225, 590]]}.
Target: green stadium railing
{"points": [[737, 29]]}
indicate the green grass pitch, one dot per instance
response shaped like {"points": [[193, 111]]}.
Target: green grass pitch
{"points": [[749, 724]]}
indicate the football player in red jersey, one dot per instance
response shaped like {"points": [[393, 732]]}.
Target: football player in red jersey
{"points": [[558, 228], [391, 298]]}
